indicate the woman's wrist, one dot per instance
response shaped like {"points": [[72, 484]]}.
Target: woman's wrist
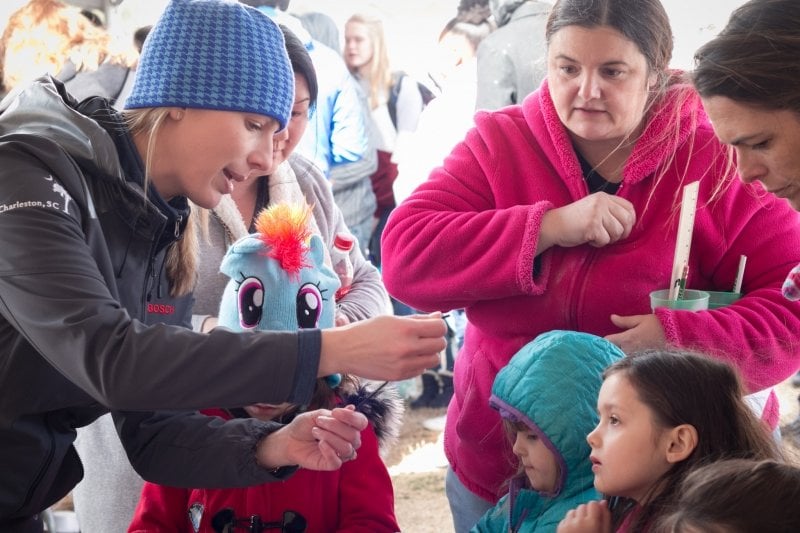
{"points": [[339, 347], [547, 229], [270, 452], [330, 345]]}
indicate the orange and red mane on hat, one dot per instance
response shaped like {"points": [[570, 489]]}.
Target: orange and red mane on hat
{"points": [[284, 229]]}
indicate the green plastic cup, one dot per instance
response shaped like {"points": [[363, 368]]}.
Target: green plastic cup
{"points": [[692, 300], [719, 299]]}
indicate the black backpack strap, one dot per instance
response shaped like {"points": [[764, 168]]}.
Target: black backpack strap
{"points": [[394, 92], [397, 81]]}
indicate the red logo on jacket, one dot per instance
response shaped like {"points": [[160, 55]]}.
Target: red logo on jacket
{"points": [[161, 309]]}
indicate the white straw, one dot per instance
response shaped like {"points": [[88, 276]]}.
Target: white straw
{"points": [[737, 285]]}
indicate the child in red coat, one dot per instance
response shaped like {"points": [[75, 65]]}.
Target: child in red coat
{"points": [[280, 279], [356, 498]]}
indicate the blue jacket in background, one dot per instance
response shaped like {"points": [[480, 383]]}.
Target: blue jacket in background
{"points": [[551, 385], [339, 138]]}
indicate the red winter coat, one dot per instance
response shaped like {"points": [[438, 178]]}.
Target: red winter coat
{"points": [[357, 498]]}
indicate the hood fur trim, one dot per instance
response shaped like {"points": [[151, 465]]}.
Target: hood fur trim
{"points": [[383, 407]]}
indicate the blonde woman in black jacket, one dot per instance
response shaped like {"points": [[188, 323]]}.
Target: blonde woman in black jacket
{"points": [[90, 199]]}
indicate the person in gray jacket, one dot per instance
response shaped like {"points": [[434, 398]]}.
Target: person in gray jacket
{"points": [[511, 60], [91, 203]]}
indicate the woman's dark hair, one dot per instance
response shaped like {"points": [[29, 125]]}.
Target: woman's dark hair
{"points": [[737, 496], [644, 22], [301, 63], [755, 59], [140, 36], [474, 30], [684, 388]]}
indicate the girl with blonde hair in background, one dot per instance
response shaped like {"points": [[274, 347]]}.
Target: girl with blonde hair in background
{"points": [[396, 102]]}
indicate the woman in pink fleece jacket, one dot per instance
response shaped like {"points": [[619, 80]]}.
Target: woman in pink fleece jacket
{"points": [[562, 213]]}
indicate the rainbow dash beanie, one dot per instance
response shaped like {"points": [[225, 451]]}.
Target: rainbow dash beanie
{"points": [[278, 277], [215, 54]]}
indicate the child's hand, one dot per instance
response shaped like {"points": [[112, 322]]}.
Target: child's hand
{"points": [[316, 440], [592, 517]]}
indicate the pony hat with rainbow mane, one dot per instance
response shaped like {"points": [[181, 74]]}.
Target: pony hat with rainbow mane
{"points": [[279, 279]]}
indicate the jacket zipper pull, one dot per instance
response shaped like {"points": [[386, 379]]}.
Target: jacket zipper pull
{"points": [[178, 226]]}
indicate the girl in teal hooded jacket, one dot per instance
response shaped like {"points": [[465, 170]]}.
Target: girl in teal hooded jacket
{"points": [[548, 393]]}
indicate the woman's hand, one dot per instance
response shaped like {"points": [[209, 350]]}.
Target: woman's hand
{"points": [[598, 219], [209, 324], [341, 319], [384, 348], [316, 440], [641, 332], [592, 517]]}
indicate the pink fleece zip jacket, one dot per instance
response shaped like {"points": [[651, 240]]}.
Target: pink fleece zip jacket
{"points": [[467, 238]]}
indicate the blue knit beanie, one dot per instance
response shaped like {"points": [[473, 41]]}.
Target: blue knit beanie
{"points": [[215, 54]]}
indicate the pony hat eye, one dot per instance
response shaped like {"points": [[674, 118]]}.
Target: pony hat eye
{"points": [[309, 306], [251, 302]]}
